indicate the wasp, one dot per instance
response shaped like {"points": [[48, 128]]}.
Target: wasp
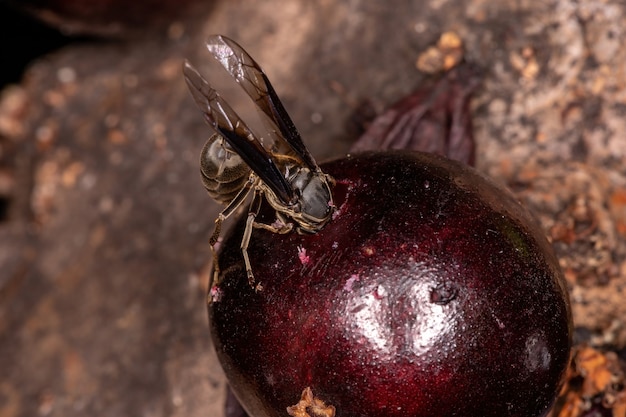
{"points": [[234, 162]]}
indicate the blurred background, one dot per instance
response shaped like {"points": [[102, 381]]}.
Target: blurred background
{"points": [[104, 222]]}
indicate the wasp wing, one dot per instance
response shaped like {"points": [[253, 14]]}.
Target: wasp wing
{"points": [[253, 80], [228, 124]]}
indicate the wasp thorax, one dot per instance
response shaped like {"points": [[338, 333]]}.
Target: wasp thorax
{"points": [[223, 171]]}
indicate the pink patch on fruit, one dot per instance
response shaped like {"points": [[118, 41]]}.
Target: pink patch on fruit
{"points": [[215, 293], [304, 258], [353, 278]]}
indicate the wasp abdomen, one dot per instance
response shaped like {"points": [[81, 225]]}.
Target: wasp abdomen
{"points": [[224, 173]]}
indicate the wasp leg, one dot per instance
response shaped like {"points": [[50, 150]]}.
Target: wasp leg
{"points": [[224, 214], [251, 224], [255, 206], [285, 227]]}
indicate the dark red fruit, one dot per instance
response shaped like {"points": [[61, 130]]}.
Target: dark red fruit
{"points": [[431, 293]]}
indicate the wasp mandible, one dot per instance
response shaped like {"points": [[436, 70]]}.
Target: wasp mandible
{"points": [[234, 162]]}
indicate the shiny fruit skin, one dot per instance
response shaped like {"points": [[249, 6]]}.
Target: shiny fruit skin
{"points": [[432, 292]]}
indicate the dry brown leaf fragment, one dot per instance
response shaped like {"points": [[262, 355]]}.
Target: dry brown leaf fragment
{"points": [[117, 136], [309, 406], [72, 173], [619, 410], [572, 406], [591, 365], [445, 55], [525, 62], [13, 106], [595, 379]]}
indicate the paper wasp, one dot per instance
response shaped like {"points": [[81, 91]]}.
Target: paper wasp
{"points": [[234, 162]]}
